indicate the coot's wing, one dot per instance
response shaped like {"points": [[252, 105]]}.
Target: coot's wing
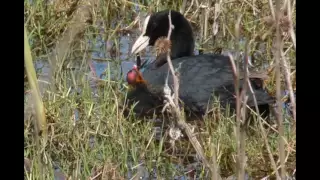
{"points": [[227, 95], [198, 75]]}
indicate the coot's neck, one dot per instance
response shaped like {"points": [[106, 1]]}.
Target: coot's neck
{"points": [[182, 44], [182, 37]]}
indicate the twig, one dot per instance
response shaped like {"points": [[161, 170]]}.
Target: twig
{"points": [[175, 78]]}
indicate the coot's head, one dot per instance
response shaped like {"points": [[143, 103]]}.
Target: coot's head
{"points": [[157, 25], [134, 77]]}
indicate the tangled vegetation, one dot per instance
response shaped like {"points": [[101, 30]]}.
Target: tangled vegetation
{"points": [[77, 129]]}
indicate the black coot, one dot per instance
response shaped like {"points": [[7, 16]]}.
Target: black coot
{"points": [[200, 76]]}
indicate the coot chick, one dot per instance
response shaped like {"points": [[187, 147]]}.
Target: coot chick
{"points": [[145, 103], [148, 103], [200, 76]]}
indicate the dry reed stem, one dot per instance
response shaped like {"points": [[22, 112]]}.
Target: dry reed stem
{"points": [[263, 132], [215, 25], [187, 11], [244, 97], [264, 135], [278, 92], [240, 134], [272, 9], [289, 12], [40, 122], [206, 11], [202, 27], [195, 143], [289, 84], [284, 62], [183, 6]]}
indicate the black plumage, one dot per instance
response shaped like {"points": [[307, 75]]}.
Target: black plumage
{"points": [[200, 78]]}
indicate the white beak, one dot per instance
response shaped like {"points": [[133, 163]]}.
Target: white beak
{"points": [[141, 43]]}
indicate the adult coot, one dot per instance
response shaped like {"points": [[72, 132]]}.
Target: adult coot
{"points": [[200, 76]]}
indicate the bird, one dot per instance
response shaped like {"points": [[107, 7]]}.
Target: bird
{"points": [[200, 76], [145, 103]]}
